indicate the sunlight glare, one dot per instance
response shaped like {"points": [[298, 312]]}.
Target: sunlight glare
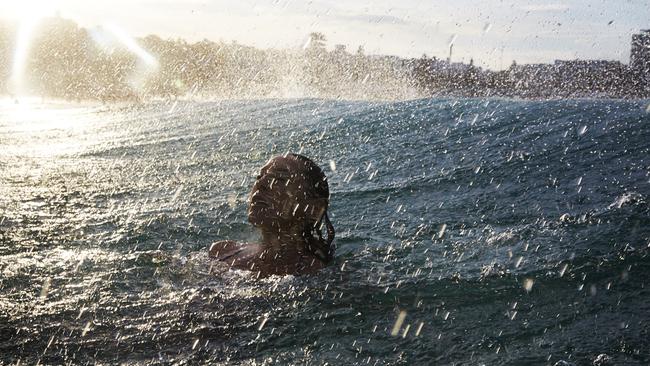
{"points": [[132, 45], [110, 36], [28, 9], [44, 129], [29, 13]]}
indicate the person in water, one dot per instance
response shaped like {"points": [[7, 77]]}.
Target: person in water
{"points": [[288, 203]]}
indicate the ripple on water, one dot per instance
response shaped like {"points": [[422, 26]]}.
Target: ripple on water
{"points": [[469, 231]]}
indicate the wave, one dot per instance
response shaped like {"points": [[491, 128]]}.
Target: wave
{"points": [[522, 221]]}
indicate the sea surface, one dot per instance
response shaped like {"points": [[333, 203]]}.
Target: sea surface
{"points": [[469, 231]]}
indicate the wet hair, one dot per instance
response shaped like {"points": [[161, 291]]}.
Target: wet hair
{"points": [[292, 190]]}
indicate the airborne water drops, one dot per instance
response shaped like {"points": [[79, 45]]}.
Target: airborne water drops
{"points": [[332, 165], [508, 224], [582, 130], [86, 329], [528, 284], [563, 269], [45, 288], [177, 193], [398, 323]]}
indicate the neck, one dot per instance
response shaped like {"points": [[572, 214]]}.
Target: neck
{"points": [[285, 252], [287, 240]]}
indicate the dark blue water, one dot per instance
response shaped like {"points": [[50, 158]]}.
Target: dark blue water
{"points": [[469, 231]]}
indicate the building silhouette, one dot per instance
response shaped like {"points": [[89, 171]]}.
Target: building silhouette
{"points": [[640, 59], [640, 52]]}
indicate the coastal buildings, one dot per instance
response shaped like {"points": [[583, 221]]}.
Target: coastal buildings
{"points": [[640, 59], [640, 52], [560, 79], [591, 76]]}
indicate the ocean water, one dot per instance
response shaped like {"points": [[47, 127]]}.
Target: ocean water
{"points": [[469, 231]]}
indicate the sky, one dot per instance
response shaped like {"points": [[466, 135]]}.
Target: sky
{"points": [[491, 32]]}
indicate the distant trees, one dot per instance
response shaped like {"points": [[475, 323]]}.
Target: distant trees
{"points": [[66, 72], [66, 61], [317, 41]]}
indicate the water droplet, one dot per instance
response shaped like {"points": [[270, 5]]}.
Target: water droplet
{"points": [[332, 165], [45, 289], [518, 263], [441, 232], [452, 39], [528, 284], [264, 320], [417, 331], [487, 27], [582, 130], [86, 329], [178, 192], [563, 269], [398, 323], [406, 330]]}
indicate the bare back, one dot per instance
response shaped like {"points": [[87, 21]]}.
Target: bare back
{"points": [[253, 257]]}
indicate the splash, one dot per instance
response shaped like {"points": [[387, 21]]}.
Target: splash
{"points": [[110, 35]]}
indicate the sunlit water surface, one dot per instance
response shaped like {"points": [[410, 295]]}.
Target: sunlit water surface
{"points": [[469, 231]]}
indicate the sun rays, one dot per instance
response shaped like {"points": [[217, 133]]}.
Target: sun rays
{"points": [[30, 14]]}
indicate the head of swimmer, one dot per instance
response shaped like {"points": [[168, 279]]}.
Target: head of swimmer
{"points": [[290, 193]]}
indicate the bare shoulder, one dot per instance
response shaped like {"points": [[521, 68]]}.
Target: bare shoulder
{"points": [[219, 248]]}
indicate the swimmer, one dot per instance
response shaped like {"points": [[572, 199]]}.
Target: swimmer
{"points": [[288, 203]]}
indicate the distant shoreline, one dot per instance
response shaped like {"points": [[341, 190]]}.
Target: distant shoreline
{"points": [[67, 62]]}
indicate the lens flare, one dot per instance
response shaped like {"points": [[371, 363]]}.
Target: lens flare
{"points": [[110, 36], [16, 80], [130, 43], [29, 13]]}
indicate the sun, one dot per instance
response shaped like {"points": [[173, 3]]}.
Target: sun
{"points": [[27, 10]]}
